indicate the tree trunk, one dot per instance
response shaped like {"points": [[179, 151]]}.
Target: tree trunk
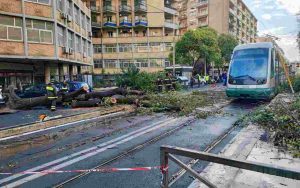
{"points": [[15, 102]]}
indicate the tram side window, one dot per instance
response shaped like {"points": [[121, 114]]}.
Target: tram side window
{"points": [[272, 64]]}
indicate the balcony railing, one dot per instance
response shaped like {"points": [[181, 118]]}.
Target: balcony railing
{"points": [[125, 9], [140, 8], [95, 9], [142, 22], [96, 24], [109, 8], [126, 23], [110, 24]]}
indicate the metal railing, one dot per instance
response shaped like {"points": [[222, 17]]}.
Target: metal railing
{"points": [[166, 153]]}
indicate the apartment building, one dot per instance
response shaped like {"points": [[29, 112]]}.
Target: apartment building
{"points": [[41, 39], [132, 32], [225, 16]]}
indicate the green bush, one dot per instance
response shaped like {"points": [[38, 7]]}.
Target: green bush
{"points": [[133, 78], [296, 84]]}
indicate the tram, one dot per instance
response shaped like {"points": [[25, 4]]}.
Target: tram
{"points": [[255, 71]]}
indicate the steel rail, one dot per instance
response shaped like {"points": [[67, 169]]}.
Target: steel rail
{"points": [[126, 153]]}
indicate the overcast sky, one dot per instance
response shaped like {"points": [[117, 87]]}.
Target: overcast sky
{"points": [[278, 18]]}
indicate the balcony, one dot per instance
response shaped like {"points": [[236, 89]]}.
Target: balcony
{"points": [[124, 9], [96, 24], [170, 24], [169, 9], [95, 9], [108, 9], [140, 9], [202, 3], [126, 23], [202, 14], [141, 23], [110, 24]]}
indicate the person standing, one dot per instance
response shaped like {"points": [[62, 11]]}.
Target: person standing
{"points": [[224, 77], [63, 91], [52, 94]]}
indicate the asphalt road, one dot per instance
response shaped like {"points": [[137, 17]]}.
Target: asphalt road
{"points": [[87, 145]]}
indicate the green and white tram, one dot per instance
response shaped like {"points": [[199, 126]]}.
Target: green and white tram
{"points": [[254, 72]]}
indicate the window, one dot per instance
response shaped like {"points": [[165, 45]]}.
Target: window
{"points": [[155, 47], [77, 15], [40, 1], [84, 46], [10, 28], [142, 63], [110, 34], [60, 5], [249, 67], [69, 8], [88, 24], [97, 48], [168, 46], [60, 33], [125, 48], [70, 40], [143, 47], [272, 64], [83, 25], [78, 47], [109, 48], [89, 49], [125, 63], [98, 63], [39, 31], [110, 63]]}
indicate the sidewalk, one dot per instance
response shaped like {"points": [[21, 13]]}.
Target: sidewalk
{"points": [[250, 145]]}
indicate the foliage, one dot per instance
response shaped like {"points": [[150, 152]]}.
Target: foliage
{"points": [[179, 103], [135, 79], [226, 44], [283, 121], [197, 44], [296, 84]]}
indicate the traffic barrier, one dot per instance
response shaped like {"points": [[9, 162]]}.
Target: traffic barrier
{"points": [[102, 170]]}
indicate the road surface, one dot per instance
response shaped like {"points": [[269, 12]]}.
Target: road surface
{"points": [[97, 143]]}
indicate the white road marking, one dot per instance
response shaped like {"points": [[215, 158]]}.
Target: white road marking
{"points": [[80, 152], [63, 125], [85, 156]]}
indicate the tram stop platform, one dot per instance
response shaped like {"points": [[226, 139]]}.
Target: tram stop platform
{"points": [[250, 144]]}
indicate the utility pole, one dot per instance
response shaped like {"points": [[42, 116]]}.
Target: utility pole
{"points": [[174, 53]]}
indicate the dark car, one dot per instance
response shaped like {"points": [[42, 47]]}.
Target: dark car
{"points": [[75, 85]]}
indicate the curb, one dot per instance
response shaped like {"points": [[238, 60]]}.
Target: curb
{"points": [[238, 148], [64, 120]]}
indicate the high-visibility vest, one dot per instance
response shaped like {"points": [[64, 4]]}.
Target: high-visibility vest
{"points": [[49, 88]]}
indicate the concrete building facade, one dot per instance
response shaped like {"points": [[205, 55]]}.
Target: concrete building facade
{"points": [[225, 16], [40, 39], [132, 32]]}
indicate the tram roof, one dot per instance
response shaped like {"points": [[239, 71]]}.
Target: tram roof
{"points": [[254, 45]]}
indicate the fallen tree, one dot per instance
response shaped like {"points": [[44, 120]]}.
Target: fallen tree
{"points": [[15, 102], [79, 98]]}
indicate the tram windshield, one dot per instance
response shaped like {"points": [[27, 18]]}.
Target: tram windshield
{"points": [[249, 67]]}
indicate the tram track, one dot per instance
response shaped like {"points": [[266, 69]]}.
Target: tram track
{"points": [[175, 177]]}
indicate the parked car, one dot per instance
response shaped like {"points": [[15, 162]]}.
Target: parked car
{"points": [[75, 85], [32, 91], [1, 96], [39, 90]]}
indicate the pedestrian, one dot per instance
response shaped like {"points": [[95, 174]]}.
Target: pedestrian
{"points": [[192, 81], [63, 91], [52, 94], [206, 79], [199, 80], [224, 77]]}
